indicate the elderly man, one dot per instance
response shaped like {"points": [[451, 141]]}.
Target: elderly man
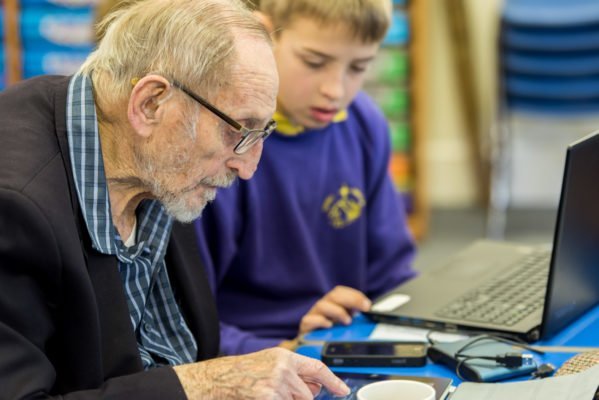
{"points": [[101, 292]]}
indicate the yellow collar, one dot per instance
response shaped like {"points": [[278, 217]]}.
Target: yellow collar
{"points": [[288, 128]]}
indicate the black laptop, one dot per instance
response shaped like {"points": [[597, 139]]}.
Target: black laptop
{"points": [[510, 289]]}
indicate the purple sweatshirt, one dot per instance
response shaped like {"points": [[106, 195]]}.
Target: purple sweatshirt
{"points": [[320, 211]]}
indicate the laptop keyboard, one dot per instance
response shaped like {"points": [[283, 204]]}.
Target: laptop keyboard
{"points": [[506, 299]]}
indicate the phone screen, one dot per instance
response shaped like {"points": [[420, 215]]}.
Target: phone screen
{"points": [[376, 349]]}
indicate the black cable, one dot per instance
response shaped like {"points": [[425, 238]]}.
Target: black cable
{"points": [[429, 337], [498, 339], [543, 371], [508, 360], [458, 367]]}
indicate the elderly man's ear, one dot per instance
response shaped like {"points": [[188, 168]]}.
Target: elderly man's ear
{"points": [[266, 21], [146, 103]]}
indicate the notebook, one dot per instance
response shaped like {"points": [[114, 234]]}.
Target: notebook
{"points": [[580, 386], [510, 289]]}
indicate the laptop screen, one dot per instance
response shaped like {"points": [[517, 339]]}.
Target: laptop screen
{"points": [[573, 285]]}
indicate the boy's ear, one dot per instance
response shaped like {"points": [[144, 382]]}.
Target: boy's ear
{"points": [[266, 21]]}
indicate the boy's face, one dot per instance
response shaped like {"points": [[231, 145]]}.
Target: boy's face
{"points": [[320, 69]]}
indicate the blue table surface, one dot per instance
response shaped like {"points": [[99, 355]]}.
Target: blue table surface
{"points": [[584, 332]]}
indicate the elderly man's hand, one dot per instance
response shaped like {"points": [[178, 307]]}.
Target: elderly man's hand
{"points": [[269, 374]]}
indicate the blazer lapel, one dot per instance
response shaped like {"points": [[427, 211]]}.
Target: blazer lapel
{"points": [[192, 291], [120, 354]]}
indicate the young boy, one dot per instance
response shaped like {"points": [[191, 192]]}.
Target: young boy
{"points": [[320, 228]]}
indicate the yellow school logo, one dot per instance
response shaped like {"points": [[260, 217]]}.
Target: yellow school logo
{"points": [[344, 207]]}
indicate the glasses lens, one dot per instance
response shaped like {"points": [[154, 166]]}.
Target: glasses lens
{"points": [[253, 136], [248, 141]]}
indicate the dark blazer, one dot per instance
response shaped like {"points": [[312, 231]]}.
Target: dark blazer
{"points": [[64, 321]]}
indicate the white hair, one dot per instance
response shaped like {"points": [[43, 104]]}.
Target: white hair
{"points": [[192, 41]]}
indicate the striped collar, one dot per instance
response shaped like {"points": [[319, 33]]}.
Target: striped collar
{"points": [[90, 182], [288, 128]]}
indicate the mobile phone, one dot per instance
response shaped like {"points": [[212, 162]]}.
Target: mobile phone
{"points": [[374, 354]]}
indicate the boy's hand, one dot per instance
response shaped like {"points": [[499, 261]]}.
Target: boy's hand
{"points": [[337, 306]]}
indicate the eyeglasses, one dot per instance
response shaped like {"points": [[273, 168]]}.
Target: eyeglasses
{"points": [[249, 137]]}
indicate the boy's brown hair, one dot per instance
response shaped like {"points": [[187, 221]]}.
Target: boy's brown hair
{"points": [[367, 20]]}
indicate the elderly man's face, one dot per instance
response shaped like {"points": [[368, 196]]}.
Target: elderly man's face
{"points": [[193, 154]]}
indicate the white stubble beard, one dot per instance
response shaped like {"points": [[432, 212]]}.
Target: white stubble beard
{"points": [[177, 204]]}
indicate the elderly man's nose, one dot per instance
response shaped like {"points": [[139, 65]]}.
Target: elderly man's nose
{"points": [[246, 164]]}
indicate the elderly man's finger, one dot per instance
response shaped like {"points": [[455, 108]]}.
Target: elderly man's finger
{"points": [[315, 372], [299, 389], [315, 388]]}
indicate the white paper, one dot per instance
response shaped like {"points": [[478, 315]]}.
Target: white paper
{"points": [[410, 334], [391, 303], [580, 386]]}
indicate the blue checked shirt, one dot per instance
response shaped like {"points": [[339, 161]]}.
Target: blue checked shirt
{"points": [[162, 334]]}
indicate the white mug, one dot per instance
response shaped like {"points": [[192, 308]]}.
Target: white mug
{"points": [[397, 390]]}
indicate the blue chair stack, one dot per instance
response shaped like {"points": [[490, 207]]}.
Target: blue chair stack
{"points": [[550, 52], [549, 86], [56, 35], [2, 53]]}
